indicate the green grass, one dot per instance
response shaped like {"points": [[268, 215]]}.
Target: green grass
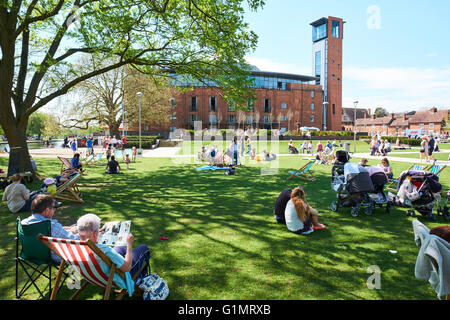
{"points": [[223, 241]]}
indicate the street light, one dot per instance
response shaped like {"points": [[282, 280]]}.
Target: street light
{"points": [[173, 103], [139, 94], [123, 120], [354, 127], [324, 110]]}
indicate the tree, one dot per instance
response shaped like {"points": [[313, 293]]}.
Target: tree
{"points": [[40, 39], [381, 112]]}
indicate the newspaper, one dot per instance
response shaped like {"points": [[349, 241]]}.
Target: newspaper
{"points": [[115, 233]]}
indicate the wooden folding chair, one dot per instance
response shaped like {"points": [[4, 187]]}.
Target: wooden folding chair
{"points": [[65, 164], [88, 160], [83, 256], [69, 190], [303, 173]]}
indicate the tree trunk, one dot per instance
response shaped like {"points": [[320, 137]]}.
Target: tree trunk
{"points": [[19, 156]]}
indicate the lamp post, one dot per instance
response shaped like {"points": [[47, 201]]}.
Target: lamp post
{"points": [[139, 94], [354, 127], [172, 103], [324, 110]]}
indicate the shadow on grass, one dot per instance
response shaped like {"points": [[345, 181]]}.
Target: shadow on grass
{"points": [[224, 243]]}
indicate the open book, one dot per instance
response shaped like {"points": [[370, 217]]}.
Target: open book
{"points": [[115, 233]]}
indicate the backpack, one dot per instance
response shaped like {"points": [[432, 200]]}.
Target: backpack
{"points": [[155, 288]]}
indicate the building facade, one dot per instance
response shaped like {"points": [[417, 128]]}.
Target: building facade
{"points": [[428, 122], [283, 101]]}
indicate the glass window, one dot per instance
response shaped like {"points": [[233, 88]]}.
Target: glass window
{"points": [[431, 125], [193, 103], [267, 105], [319, 32], [312, 94], [312, 106], [249, 119], [283, 106], [232, 118], [421, 126], [212, 118], [266, 119], [283, 118], [193, 117], [212, 103], [318, 64], [335, 29], [312, 118]]}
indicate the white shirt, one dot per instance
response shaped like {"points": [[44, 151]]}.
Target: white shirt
{"points": [[293, 223]]}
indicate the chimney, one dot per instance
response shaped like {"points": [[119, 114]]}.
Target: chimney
{"points": [[433, 110], [368, 112], [404, 116], [373, 117], [392, 116]]}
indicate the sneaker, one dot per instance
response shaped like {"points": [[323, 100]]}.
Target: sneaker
{"points": [[58, 204], [320, 227]]}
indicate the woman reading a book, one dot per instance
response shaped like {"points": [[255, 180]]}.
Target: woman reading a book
{"points": [[126, 259]]}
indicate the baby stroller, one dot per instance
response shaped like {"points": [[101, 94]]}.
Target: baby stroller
{"points": [[425, 195], [378, 197], [342, 157], [353, 188]]}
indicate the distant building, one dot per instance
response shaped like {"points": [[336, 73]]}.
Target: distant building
{"points": [[348, 116], [427, 122]]}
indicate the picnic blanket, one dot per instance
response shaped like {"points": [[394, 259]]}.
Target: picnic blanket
{"points": [[206, 168]]}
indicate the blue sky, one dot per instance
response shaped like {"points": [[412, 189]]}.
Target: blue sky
{"points": [[396, 54]]}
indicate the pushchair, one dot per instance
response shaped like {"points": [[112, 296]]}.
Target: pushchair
{"points": [[426, 193], [353, 188], [342, 157], [378, 197]]}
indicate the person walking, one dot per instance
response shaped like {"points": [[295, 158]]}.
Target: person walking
{"points": [[424, 149]]}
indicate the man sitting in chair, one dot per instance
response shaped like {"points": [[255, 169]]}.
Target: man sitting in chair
{"points": [[113, 167], [126, 259], [43, 208]]}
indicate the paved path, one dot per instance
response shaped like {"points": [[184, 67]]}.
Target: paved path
{"points": [[171, 152]]}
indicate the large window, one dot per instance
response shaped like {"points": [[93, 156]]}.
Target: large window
{"points": [[283, 106], [193, 106], [232, 118], [312, 106], [318, 64], [266, 119], [212, 104], [320, 32], [335, 29], [267, 105]]}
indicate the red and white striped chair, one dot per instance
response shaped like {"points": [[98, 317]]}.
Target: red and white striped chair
{"points": [[83, 256]]}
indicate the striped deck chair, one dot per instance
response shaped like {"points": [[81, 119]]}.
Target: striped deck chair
{"points": [[218, 158], [303, 173], [392, 186], [84, 257], [98, 157], [69, 190], [436, 169], [89, 159], [118, 154], [65, 164]]}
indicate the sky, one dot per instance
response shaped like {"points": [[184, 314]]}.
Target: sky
{"points": [[396, 54]]}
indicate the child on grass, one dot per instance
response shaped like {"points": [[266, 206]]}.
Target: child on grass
{"points": [[134, 154], [127, 161]]}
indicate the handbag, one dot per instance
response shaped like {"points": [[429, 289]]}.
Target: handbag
{"points": [[154, 287]]}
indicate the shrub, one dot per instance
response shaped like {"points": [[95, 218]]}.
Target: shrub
{"points": [[146, 141]]}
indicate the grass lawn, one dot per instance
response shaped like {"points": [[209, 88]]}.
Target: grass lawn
{"points": [[223, 241]]}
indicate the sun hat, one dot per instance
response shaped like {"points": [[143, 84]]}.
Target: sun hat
{"points": [[49, 181]]}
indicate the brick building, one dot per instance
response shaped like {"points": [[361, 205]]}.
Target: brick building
{"points": [[430, 121], [348, 116], [284, 101]]}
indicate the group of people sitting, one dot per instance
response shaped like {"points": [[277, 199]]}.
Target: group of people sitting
{"points": [[383, 165], [87, 227], [379, 147], [292, 209]]}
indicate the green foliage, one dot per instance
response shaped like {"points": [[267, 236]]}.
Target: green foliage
{"points": [[146, 141]]}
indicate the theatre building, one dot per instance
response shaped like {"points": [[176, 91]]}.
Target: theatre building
{"points": [[283, 101]]}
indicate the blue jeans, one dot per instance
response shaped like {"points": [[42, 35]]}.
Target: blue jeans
{"points": [[140, 255], [235, 157]]}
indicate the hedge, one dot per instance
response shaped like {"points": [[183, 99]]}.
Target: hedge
{"points": [[146, 141], [403, 140]]}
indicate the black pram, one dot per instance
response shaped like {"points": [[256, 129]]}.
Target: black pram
{"points": [[423, 194], [353, 189]]}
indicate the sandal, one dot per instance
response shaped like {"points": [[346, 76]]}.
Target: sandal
{"points": [[320, 227]]}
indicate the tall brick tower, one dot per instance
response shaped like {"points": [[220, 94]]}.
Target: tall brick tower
{"points": [[327, 37]]}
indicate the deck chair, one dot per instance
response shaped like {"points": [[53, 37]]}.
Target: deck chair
{"points": [[69, 190], [65, 164], [84, 257], [97, 159], [88, 160], [392, 186], [218, 158], [303, 173], [118, 154], [33, 257], [436, 169]]}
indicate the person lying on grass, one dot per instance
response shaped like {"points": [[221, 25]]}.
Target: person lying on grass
{"points": [[300, 217]]}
